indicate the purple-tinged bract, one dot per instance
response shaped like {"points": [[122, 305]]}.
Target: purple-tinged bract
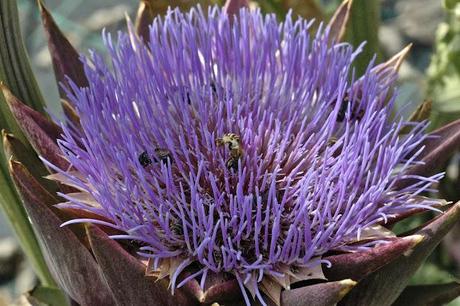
{"points": [[244, 146]]}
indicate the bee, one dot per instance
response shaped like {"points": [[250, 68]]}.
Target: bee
{"points": [[144, 159], [232, 163], [176, 228], [356, 112], [343, 108], [217, 91], [213, 88], [188, 98], [161, 155], [331, 141], [180, 92], [358, 115], [232, 141], [218, 258]]}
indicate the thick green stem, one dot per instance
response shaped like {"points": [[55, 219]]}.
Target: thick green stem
{"points": [[15, 69], [19, 221], [16, 73], [364, 26]]}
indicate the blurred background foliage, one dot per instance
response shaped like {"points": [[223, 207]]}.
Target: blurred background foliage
{"points": [[432, 72], [444, 71]]}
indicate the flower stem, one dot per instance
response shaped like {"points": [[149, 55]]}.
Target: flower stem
{"points": [[364, 26], [16, 73]]}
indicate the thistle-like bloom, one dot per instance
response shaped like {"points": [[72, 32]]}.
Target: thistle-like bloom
{"points": [[239, 146]]}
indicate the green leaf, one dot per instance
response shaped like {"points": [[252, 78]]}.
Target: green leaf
{"points": [[272, 6], [433, 273], [309, 9], [15, 69], [41, 296], [450, 4]]}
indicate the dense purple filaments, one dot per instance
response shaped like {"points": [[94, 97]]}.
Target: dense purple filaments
{"points": [[319, 154]]}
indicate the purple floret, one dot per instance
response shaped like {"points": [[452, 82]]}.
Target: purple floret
{"points": [[315, 163]]}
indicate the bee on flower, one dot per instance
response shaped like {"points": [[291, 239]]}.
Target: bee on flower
{"points": [[232, 141]]}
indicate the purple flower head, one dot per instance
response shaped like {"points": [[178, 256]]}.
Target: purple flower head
{"points": [[240, 146]]}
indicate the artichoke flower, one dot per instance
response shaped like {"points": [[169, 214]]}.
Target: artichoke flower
{"points": [[221, 157]]}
